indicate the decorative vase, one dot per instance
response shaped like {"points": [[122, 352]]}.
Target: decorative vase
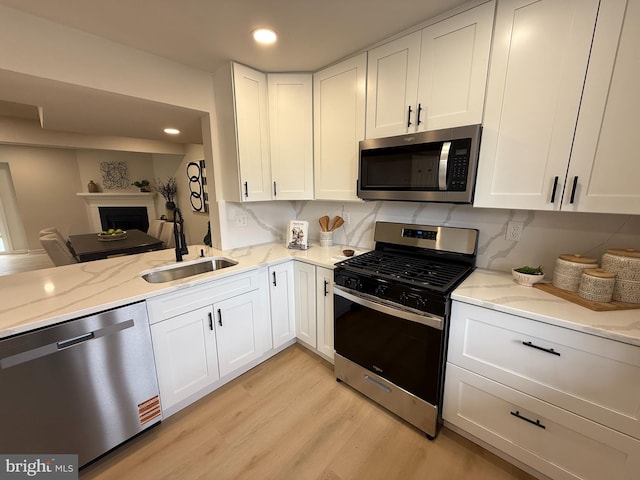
{"points": [[170, 206], [92, 187]]}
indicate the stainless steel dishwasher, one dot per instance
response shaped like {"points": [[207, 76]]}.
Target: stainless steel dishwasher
{"points": [[80, 387]]}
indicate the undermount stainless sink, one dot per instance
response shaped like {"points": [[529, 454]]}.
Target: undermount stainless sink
{"points": [[188, 270]]}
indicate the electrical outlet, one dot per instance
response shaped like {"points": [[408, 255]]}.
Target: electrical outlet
{"points": [[241, 220], [514, 231]]}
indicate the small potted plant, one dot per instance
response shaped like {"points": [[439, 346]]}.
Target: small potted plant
{"points": [[143, 185], [528, 276], [168, 190]]}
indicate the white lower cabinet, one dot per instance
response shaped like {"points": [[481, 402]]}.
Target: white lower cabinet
{"points": [[324, 306], [553, 441], [205, 335], [283, 314], [562, 402], [305, 295], [314, 307], [243, 330], [185, 353]]}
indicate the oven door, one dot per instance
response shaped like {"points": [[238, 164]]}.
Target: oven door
{"points": [[402, 347]]}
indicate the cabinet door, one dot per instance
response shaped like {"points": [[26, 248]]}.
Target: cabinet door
{"points": [[283, 314], [250, 94], [392, 87], [291, 135], [551, 363], [339, 106], [602, 162], [242, 330], [553, 441], [538, 65], [185, 353], [305, 300], [324, 286], [454, 59]]}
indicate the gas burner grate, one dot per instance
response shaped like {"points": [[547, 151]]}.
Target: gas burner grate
{"points": [[406, 268]]}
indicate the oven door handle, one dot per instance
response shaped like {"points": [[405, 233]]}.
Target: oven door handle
{"points": [[425, 319]]}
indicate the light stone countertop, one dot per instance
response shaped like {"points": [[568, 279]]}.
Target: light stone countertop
{"points": [[41, 298], [498, 291]]}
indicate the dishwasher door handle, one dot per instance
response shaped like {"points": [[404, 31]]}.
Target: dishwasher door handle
{"points": [[60, 345], [76, 340]]}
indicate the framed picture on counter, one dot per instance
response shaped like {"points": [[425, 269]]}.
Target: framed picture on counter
{"points": [[298, 234]]}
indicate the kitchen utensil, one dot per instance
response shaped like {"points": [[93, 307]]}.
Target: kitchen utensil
{"points": [[337, 222], [326, 238], [324, 223]]}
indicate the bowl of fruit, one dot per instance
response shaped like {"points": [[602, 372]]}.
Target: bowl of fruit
{"points": [[527, 276], [112, 234]]}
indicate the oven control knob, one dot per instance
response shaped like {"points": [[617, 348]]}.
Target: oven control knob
{"points": [[404, 298], [380, 289], [421, 302]]}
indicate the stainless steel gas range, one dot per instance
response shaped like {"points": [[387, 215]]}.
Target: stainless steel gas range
{"points": [[391, 314]]}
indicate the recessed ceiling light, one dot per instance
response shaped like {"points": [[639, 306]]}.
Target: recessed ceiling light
{"points": [[171, 131], [264, 35]]}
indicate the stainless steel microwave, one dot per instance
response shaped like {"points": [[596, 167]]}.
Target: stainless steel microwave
{"points": [[432, 166]]}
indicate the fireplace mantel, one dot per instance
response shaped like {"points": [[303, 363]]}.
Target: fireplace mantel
{"points": [[123, 199]]}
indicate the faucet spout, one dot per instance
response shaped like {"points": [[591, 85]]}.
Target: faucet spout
{"points": [[178, 235]]}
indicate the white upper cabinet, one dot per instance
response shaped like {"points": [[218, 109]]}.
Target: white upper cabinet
{"points": [[603, 161], [430, 79], [453, 69], [291, 135], [339, 106], [392, 86], [538, 67], [242, 120]]}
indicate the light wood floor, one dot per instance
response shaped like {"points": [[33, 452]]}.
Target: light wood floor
{"points": [[289, 419], [15, 263]]}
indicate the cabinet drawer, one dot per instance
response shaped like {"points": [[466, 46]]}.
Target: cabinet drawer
{"points": [[191, 298], [592, 376], [561, 445]]}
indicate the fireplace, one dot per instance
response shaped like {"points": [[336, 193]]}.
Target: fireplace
{"points": [[125, 218], [97, 201]]}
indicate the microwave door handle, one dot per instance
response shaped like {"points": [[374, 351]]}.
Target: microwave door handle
{"points": [[444, 163]]}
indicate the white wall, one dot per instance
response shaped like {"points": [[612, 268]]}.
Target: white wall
{"points": [[46, 181]]}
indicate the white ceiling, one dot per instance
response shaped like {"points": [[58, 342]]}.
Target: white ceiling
{"points": [[205, 34]]}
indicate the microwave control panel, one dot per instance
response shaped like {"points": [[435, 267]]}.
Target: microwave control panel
{"points": [[458, 168]]}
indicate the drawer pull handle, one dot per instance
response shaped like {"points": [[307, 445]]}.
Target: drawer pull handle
{"points": [[219, 317], [381, 386], [532, 422], [548, 350]]}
